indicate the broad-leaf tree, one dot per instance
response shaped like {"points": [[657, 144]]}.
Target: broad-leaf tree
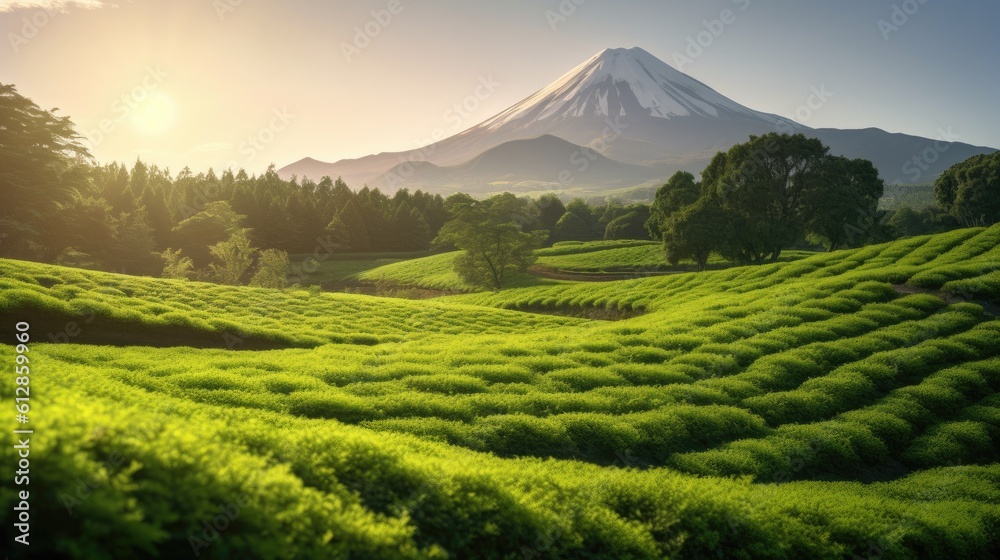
{"points": [[233, 258], [215, 224], [272, 269], [970, 191], [764, 189], [694, 232], [842, 205], [492, 242], [679, 191]]}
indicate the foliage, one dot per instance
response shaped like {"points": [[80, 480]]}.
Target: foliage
{"points": [[694, 232], [630, 225], [763, 189], [681, 190], [175, 266], [272, 265], [843, 205], [456, 427], [492, 242], [233, 258], [970, 191], [41, 169]]}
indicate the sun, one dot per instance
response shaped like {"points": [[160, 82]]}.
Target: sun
{"points": [[155, 114]]}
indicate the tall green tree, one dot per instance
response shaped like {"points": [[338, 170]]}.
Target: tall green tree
{"points": [[630, 225], [215, 224], [349, 230], [591, 229], [493, 243], [42, 166], [694, 232], [679, 191], [970, 190], [88, 228], [763, 187], [133, 250], [842, 203], [550, 210]]}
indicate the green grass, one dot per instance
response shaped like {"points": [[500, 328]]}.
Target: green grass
{"points": [[341, 268], [435, 273], [604, 256], [590, 257], [803, 409]]}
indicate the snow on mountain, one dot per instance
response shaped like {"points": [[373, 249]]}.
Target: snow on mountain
{"points": [[635, 110], [620, 83]]}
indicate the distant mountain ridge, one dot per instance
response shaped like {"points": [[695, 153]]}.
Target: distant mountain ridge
{"points": [[622, 119]]}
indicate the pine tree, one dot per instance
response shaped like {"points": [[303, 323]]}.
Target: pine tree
{"points": [[41, 168], [348, 230]]}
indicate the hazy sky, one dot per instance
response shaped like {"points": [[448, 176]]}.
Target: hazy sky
{"points": [[250, 82]]}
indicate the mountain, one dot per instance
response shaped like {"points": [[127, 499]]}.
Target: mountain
{"points": [[529, 166], [624, 118]]}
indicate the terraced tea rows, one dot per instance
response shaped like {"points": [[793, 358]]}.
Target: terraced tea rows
{"points": [[463, 425], [210, 311]]}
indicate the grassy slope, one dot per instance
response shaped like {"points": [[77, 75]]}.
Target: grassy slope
{"points": [[338, 269], [600, 256], [436, 272], [787, 374], [295, 318]]}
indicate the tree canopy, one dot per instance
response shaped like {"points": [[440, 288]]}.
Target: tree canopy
{"points": [[764, 195], [492, 241], [970, 191], [679, 191], [42, 167]]}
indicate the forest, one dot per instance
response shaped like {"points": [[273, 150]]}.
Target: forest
{"points": [[61, 207]]}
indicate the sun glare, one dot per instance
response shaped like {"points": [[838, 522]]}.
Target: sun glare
{"points": [[155, 114]]}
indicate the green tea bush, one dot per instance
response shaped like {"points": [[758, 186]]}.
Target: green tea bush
{"points": [[447, 384], [951, 443], [458, 427]]}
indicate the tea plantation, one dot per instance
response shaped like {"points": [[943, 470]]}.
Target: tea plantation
{"points": [[839, 405]]}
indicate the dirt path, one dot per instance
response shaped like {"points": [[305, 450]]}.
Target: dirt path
{"points": [[554, 274]]}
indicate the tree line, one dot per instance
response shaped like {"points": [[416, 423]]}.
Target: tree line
{"points": [[61, 207], [752, 202]]}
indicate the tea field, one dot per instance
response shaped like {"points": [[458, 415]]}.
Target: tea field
{"points": [[837, 405], [593, 260]]}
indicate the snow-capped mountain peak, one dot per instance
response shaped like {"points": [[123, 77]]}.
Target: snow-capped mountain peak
{"points": [[623, 83], [644, 117]]}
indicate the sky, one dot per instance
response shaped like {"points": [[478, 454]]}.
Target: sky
{"points": [[248, 83]]}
